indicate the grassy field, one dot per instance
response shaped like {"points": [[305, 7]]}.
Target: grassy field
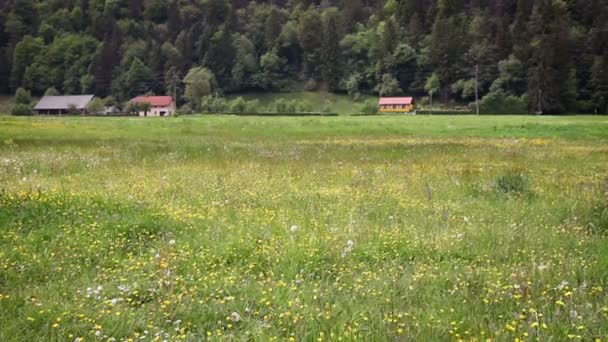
{"points": [[336, 103], [343, 228]]}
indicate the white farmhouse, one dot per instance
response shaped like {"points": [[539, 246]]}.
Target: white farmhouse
{"points": [[160, 105]]}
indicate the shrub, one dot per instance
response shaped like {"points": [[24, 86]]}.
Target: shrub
{"points": [[512, 183], [213, 104], [499, 102], [311, 85], [280, 106], [133, 108], [23, 96], [369, 107], [185, 109], [326, 107], [238, 105], [21, 110], [97, 106], [52, 91], [253, 106], [73, 110]]}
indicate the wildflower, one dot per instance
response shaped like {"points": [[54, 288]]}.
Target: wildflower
{"points": [[460, 236], [294, 229], [171, 242], [124, 288], [562, 285], [350, 244], [235, 317]]}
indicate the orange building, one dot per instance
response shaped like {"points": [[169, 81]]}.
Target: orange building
{"points": [[397, 104]]}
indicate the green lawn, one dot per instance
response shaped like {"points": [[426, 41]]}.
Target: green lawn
{"points": [[340, 228]]}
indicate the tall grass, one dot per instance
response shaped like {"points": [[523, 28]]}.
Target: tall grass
{"points": [[374, 228]]}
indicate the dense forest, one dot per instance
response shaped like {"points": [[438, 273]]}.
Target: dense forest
{"points": [[523, 55]]}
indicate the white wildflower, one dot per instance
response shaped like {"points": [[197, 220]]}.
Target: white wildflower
{"points": [[294, 229], [235, 317], [350, 245], [562, 285]]}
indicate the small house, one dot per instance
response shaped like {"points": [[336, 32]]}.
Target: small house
{"points": [[397, 104], [59, 105], [159, 105]]}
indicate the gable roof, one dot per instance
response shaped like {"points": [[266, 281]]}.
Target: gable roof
{"points": [[64, 102], [155, 101], [396, 101]]}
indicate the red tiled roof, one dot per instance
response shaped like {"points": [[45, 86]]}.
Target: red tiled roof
{"points": [[396, 101], [155, 101]]}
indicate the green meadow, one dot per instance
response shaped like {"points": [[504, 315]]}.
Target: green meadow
{"points": [[384, 228]]}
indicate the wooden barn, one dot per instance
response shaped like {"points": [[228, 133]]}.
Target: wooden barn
{"points": [[397, 104]]}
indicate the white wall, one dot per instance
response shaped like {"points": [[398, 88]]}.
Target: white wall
{"points": [[156, 111]]}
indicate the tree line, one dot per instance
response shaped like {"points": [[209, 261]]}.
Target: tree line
{"points": [[548, 56]]}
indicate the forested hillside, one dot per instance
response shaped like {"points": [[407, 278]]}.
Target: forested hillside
{"points": [[549, 55]]}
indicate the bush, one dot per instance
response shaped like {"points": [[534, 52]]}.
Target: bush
{"points": [[23, 96], [499, 102], [253, 106], [133, 108], [185, 109], [97, 107], [311, 85], [279, 106], [52, 91], [21, 110], [369, 107], [213, 104], [512, 183], [326, 107], [238, 105], [73, 110]]}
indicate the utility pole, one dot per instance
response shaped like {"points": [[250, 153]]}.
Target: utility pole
{"points": [[477, 88], [540, 102]]}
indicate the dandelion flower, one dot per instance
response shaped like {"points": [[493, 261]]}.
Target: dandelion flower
{"points": [[235, 317]]}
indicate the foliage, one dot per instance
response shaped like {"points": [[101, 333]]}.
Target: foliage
{"points": [[52, 91], [23, 96], [200, 82], [21, 109], [499, 102], [432, 84], [370, 107], [240, 105], [551, 51], [134, 108], [514, 183], [389, 86], [138, 78], [213, 104], [96, 106]]}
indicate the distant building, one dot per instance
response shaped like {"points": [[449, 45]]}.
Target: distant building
{"points": [[160, 105], [58, 105], [397, 104]]}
